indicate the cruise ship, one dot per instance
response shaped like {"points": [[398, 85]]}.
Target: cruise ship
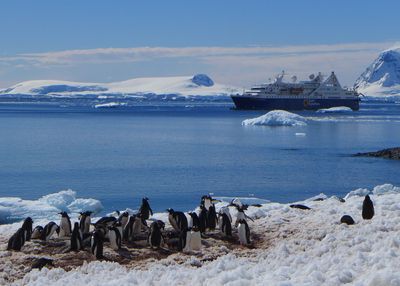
{"points": [[313, 94]]}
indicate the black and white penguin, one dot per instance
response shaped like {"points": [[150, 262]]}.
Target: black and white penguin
{"points": [[193, 220], [49, 230], [76, 238], [206, 201], [244, 232], [37, 232], [145, 209], [106, 221], [96, 244], [123, 219], [212, 218], [155, 238], [347, 220], [203, 219], [17, 240], [65, 225], [225, 210], [114, 236], [368, 208], [84, 222], [133, 228], [27, 227], [178, 220], [241, 215], [193, 240], [225, 225]]}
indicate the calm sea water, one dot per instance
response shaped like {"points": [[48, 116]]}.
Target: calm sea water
{"points": [[173, 154]]}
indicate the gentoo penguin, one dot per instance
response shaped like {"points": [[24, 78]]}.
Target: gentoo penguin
{"points": [[368, 208], [155, 237], [123, 219], [225, 210], [206, 201], [133, 228], [84, 222], [244, 232], [96, 243], [49, 230], [347, 220], [212, 218], [145, 209], [65, 225], [225, 225], [37, 232], [17, 240], [193, 240], [27, 227], [119, 227], [178, 220], [76, 238], [106, 221], [194, 220], [114, 237], [241, 215], [203, 219]]}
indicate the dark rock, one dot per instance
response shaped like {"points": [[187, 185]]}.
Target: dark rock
{"points": [[347, 220], [318, 199], [368, 208], [390, 153], [42, 262], [298, 206]]}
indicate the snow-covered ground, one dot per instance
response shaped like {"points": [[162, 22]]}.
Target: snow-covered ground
{"points": [[185, 86], [296, 247], [277, 118]]}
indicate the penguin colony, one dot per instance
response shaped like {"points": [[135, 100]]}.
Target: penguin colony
{"points": [[126, 228]]}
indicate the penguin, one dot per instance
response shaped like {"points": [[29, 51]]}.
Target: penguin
{"points": [[203, 219], [206, 201], [76, 238], [133, 228], [212, 218], [42, 262], [145, 209], [17, 240], [123, 219], [84, 222], [368, 208], [244, 232], [114, 237], [27, 227], [193, 240], [241, 215], [155, 238], [178, 220], [193, 220], [37, 232], [118, 226], [225, 225], [96, 244], [65, 225], [106, 221], [49, 230], [225, 210], [347, 220]]}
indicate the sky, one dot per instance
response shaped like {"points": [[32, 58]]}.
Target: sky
{"points": [[237, 43]]}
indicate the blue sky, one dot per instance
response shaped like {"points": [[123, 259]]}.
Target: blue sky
{"points": [[49, 30]]}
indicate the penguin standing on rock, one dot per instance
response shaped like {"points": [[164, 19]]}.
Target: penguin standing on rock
{"points": [[155, 238], [203, 219], [194, 220], [114, 237], [193, 240], [49, 230], [212, 218], [65, 225], [37, 232], [225, 225], [27, 227], [244, 232], [17, 240], [145, 209], [368, 208], [96, 243], [123, 219], [76, 238], [84, 222], [178, 220]]}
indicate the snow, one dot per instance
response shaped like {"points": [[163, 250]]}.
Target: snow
{"points": [[277, 118], [338, 109], [185, 86], [13, 209], [309, 248], [110, 105], [382, 77]]}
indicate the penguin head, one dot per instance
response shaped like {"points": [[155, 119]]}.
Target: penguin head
{"points": [[29, 219], [63, 214], [160, 224], [170, 211], [145, 199], [367, 198]]}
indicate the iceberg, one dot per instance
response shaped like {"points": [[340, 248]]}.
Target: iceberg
{"points": [[110, 105], [277, 118], [338, 109]]}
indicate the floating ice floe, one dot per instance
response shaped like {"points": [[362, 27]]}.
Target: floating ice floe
{"points": [[338, 109], [277, 118], [110, 105], [13, 209]]}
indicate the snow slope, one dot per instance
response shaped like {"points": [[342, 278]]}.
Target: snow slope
{"points": [[304, 248], [197, 85], [382, 77]]}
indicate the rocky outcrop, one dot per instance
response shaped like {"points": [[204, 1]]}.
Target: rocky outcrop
{"points": [[391, 153]]}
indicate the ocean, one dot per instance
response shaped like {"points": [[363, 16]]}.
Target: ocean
{"points": [[173, 153]]}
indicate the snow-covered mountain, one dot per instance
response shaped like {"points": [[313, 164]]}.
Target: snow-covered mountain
{"points": [[184, 86], [382, 77]]}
